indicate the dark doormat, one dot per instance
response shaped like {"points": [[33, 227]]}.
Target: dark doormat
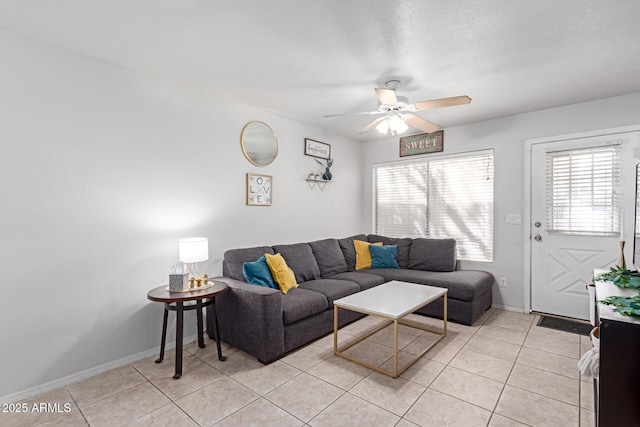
{"points": [[565, 325]]}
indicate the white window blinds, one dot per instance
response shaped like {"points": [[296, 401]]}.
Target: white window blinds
{"points": [[400, 200], [582, 190], [440, 198], [461, 204]]}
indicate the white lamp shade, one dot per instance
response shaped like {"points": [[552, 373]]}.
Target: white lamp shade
{"points": [[383, 126], [397, 124], [194, 249]]}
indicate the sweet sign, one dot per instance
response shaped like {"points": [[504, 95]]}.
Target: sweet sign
{"points": [[422, 144]]}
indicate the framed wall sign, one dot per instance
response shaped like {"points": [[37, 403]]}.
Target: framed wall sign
{"points": [[259, 189], [317, 149], [423, 143]]}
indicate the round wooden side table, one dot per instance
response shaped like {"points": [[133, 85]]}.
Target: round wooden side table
{"points": [[174, 301]]}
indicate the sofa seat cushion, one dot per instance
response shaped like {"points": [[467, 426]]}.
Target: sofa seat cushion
{"points": [[329, 257], [364, 280], [299, 304], [299, 257], [332, 289], [464, 285]]}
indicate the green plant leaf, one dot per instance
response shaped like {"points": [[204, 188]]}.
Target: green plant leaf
{"points": [[627, 306], [621, 277]]}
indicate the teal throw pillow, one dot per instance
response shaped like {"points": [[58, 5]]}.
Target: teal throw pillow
{"points": [[258, 273], [384, 256]]}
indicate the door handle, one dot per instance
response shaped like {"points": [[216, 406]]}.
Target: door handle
{"points": [[537, 224], [537, 237]]}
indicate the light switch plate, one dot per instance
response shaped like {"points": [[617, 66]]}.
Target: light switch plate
{"points": [[513, 219]]}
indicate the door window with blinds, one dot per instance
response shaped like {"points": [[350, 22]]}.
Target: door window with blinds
{"points": [[444, 197], [582, 188]]}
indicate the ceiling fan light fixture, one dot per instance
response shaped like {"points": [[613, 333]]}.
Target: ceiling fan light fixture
{"points": [[383, 126], [397, 125]]}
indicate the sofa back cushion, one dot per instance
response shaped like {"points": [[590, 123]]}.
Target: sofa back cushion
{"points": [[349, 251], [404, 247], [299, 257], [329, 257], [433, 254], [235, 258]]}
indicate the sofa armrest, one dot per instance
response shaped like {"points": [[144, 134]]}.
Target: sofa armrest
{"points": [[250, 318]]}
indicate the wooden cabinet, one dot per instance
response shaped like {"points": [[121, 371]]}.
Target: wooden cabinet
{"points": [[617, 391]]}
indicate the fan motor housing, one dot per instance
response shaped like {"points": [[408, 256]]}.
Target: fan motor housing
{"points": [[402, 105]]}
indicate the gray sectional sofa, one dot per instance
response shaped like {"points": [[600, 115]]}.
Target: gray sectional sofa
{"points": [[268, 324]]}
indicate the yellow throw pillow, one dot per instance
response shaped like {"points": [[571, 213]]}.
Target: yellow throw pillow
{"points": [[363, 255], [281, 272]]}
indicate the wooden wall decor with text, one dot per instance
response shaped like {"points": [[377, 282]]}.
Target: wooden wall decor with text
{"points": [[423, 143]]}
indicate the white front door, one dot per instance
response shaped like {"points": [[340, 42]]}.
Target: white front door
{"points": [[578, 204]]}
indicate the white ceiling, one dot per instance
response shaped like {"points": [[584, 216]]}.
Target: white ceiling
{"points": [[305, 59]]}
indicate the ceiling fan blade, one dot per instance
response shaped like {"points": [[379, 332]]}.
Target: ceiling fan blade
{"points": [[364, 113], [443, 102], [372, 125], [420, 123], [387, 96]]}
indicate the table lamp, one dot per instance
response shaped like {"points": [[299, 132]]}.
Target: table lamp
{"points": [[192, 251]]}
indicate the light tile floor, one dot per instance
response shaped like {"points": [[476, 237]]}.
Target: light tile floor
{"points": [[502, 371]]}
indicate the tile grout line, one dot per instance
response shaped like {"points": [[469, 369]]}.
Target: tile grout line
{"points": [[77, 406], [504, 385], [171, 401], [440, 373]]}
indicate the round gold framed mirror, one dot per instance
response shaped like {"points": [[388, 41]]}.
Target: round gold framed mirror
{"points": [[259, 143]]}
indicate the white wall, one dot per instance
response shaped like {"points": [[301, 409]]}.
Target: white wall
{"points": [[102, 171], [506, 136]]}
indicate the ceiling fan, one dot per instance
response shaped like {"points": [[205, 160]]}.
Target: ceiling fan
{"points": [[397, 112]]}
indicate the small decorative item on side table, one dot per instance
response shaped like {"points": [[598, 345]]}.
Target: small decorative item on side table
{"points": [[178, 278], [174, 301]]}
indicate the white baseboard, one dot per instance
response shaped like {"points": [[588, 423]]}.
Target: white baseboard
{"points": [[508, 308], [60, 382]]}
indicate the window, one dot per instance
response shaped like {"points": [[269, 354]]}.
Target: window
{"points": [[582, 190], [438, 198]]}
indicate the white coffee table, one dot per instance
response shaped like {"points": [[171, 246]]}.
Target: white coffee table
{"points": [[393, 301]]}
